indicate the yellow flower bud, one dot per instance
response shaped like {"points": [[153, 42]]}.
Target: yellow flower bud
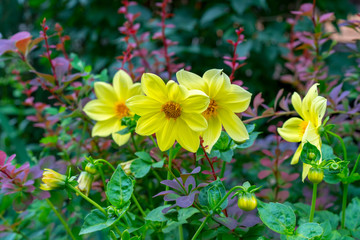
{"points": [[247, 202], [85, 181], [316, 175], [52, 180], [126, 167]]}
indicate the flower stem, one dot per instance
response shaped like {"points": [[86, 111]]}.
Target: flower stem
{"points": [[169, 166], [342, 143], [313, 203], [66, 226], [138, 205], [343, 208], [222, 169], [106, 162], [154, 142], [201, 227], [134, 142], [88, 199]]}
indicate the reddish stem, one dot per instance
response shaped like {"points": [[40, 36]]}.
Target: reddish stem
{"points": [[207, 157], [45, 28], [166, 55]]}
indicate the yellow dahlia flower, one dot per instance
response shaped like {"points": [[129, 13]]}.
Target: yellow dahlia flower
{"points": [[171, 111], [226, 99], [305, 129], [52, 180], [109, 107]]}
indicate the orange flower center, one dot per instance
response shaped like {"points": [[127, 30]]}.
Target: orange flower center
{"points": [[303, 125], [121, 110], [211, 110], [171, 110]]}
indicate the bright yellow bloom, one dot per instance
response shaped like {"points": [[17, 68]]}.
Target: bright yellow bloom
{"points": [[171, 111], [52, 180], [226, 99], [110, 108], [312, 110]]}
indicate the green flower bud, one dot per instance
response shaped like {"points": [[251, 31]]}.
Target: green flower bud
{"points": [[311, 156], [316, 175], [90, 168], [85, 181], [247, 202]]}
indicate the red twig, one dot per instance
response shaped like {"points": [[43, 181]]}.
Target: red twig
{"points": [[45, 28], [233, 61], [163, 26], [207, 157]]}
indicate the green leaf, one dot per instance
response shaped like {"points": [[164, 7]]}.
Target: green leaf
{"points": [[248, 143], [185, 213], [125, 235], [213, 13], [96, 221], [307, 151], [222, 143], [352, 216], [227, 156], [327, 152], [309, 230], [123, 131], [158, 164], [278, 217], [49, 139], [144, 156], [140, 168], [323, 216], [119, 188], [211, 193], [250, 128], [156, 214]]}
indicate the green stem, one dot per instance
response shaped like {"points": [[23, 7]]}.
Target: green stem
{"points": [[106, 162], [133, 140], [88, 199], [313, 203], [156, 175], [154, 142], [66, 226], [355, 166], [169, 167], [181, 232], [223, 169], [344, 200], [342, 143], [95, 205], [201, 227], [138, 205]]}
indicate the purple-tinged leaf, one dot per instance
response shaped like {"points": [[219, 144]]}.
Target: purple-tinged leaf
{"points": [[264, 173], [226, 221], [61, 67], [325, 17], [165, 210], [164, 193], [6, 46], [186, 201], [2, 158], [173, 184], [171, 197], [190, 184], [20, 36]]}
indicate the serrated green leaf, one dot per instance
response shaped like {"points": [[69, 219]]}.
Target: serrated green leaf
{"points": [[278, 217], [158, 164], [204, 194], [119, 188], [309, 230], [248, 143], [352, 216]]}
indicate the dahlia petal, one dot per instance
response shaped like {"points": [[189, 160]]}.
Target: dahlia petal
{"points": [[233, 125], [143, 105], [122, 83], [195, 121], [166, 134], [291, 130], [196, 102], [121, 139], [150, 123], [191, 80], [212, 133], [105, 92], [237, 99], [107, 127], [187, 138], [154, 87], [99, 111]]}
